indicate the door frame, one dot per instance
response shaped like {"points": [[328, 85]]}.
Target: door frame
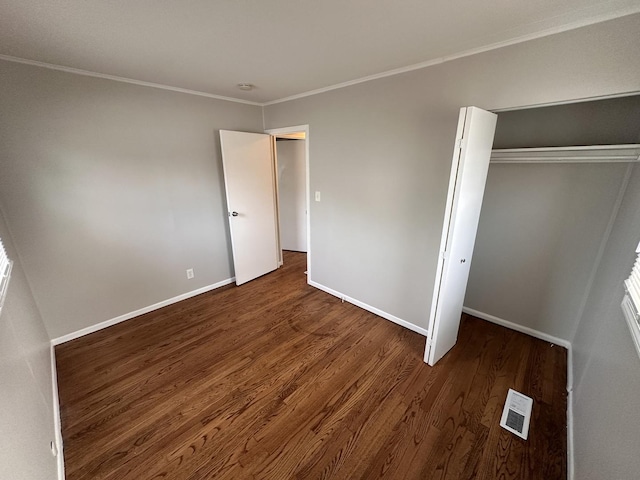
{"points": [[274, 132]]}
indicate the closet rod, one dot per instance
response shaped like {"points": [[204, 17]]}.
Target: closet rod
{"points": [[577, 154]]}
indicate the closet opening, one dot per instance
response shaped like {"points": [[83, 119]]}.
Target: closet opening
{"points": [[556, 179], [545, 195]]}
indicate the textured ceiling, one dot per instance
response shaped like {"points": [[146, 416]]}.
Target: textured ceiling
{"points": [[284, 47]]}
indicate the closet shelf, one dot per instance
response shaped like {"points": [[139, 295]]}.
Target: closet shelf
{"points": [[581, 154]]}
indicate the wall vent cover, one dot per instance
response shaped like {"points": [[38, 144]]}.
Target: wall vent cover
{"points": [[516, 414]]}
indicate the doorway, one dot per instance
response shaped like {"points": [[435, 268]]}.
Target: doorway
{"points": [[292, 203], [250, 168], [291, 165]]}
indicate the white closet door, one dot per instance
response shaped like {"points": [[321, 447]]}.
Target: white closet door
{"points": [[474, 138], [250, 186]]}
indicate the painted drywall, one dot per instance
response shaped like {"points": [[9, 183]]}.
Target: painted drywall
{"points": [[540, 231], [292, 200], [605, 363], [26, 400], [112, 191], [609, 121], [381, 152]]}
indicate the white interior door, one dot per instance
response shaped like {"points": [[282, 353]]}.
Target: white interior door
{"points": [[474, 139], [250, 186]]}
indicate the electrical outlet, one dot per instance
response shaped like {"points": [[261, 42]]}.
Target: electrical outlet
{"points": [[189, 273], [317, 196]]}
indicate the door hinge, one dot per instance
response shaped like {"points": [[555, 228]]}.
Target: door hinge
{"points": [[460, 143], [443, 255]]}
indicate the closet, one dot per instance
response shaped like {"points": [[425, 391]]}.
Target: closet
{"points": [[555, 181], [534, 214]]}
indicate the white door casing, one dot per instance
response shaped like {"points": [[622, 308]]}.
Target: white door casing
{"points": [[250, 189], [474, 139]]}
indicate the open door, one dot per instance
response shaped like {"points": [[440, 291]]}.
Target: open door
{"points": [[474, 139], [250, 186]]}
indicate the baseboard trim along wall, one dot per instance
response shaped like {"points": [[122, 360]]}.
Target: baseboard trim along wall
{"points": [[57, 423], [557, 341], [369, 308], [518, 328], [141, 311], [534, 333], [570, 453]]}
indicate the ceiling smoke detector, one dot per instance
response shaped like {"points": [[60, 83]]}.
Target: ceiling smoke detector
{"points": [[245, 86]]}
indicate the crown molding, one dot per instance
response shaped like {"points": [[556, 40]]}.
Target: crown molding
{"points": [[87, 73], [567, 102], [467, 53], [397, 71]]}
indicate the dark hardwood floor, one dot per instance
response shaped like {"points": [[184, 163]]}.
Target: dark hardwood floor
{"points": [[278, 380]]}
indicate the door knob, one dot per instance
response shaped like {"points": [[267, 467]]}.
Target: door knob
{"points": [[234, 214], [463, 260]]}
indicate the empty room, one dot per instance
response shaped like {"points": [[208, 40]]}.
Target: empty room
{"points": [[319, 240]]}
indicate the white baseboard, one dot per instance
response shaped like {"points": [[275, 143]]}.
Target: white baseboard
{"points": [[557, 341], [57, 423], [369, 308], [570, 444], [141, 311], [518, 328]]}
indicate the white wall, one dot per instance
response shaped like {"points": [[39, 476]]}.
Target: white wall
{"points": [[292, 194], [381, 151], [606, 366], [112, 191], [540, 231], [26, 400]]}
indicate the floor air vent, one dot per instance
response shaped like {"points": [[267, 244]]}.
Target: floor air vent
{"points": [[517, 413]]}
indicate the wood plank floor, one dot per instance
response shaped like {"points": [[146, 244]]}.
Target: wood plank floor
{"points": [[278, 380]]}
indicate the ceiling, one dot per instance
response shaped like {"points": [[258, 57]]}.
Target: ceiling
{"points": [[283, 47]]}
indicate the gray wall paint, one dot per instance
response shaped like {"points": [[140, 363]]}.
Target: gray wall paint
{"points": [[112, 191], [540, 231], [603, 122], [380, 153], [606, 365], [26, 398]]}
